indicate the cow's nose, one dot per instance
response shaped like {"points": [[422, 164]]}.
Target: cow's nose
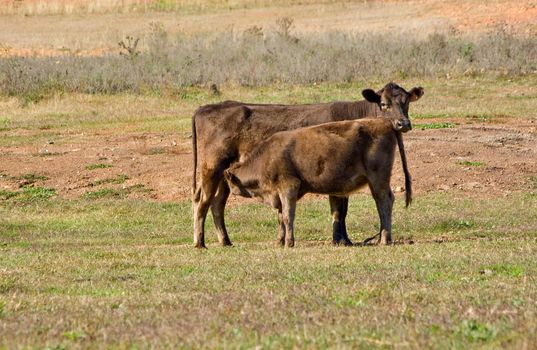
{"points": [[403, 125]]}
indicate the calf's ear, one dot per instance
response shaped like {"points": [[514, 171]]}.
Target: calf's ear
{"points": [[228, 176], [416, 93], [232, 179], [371, 96]]}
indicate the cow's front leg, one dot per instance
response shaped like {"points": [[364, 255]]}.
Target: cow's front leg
{"points": [[218, 205], [338, 209], [384, 199], [288, 200]]}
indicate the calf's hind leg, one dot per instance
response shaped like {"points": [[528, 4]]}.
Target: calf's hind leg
{"points": [[338, 208], [281, 228], [288, 200], [218, 205], [383, 195]]}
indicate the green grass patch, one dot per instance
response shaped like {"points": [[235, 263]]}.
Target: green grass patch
{"points": [[445, 125], [509, 270], [28, 194], [470, 163], [474, 331], [482, 118], [6, 194], [103, 193], [453, 225], [5, 123], [30, 178], [533, 181], [119, 179], [98, 166]]}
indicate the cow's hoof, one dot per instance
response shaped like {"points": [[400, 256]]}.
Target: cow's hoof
{"points": [[200, 246], [280, 242], [343, 242], [289, 244], [384, 241]]}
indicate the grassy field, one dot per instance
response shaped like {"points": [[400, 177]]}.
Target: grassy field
{"points": [[95, 171], [110, 270], [123, 274]]}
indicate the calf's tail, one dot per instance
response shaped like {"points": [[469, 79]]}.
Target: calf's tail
{"points": [[408, 179]]}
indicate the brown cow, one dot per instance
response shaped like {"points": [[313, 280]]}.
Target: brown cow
{"points": [[333, 158], [224, 133]]}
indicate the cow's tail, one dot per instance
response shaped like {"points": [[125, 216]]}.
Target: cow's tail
{"points": [[194, 156], [408, 180]]}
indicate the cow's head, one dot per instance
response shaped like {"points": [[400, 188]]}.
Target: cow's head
{"points": [[394, 101]]}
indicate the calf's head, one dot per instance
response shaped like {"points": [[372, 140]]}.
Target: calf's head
{"points": [[394, 101], [236, 186]]}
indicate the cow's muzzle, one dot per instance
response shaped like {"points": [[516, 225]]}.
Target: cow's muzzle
{"points": [[402, 125]]}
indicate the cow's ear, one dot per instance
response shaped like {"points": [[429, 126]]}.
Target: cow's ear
{"points": [[371, 96], [416, 93]]}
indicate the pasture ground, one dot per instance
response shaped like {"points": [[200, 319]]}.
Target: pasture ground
{"points": [[95, 216], [96, 231]]}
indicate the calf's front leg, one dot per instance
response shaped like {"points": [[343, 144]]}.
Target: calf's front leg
{"points": [[384, 199]]}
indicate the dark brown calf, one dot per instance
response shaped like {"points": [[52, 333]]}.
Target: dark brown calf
{"points": [[333, 158]]}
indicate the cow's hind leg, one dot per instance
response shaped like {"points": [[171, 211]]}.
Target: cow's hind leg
{"points": [[384, 199], [338, 208], [202, 201], [218, 205]]}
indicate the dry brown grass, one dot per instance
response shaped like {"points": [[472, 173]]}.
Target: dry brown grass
{"points": [[93, 33]]}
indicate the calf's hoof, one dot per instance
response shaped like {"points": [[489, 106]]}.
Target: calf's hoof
{"points": [[226, 243], [280, 242], [200, 246]]}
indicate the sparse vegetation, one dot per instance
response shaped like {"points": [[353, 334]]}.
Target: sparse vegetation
{"points": [[174, 62], [28, 194], [470, 163], [116, 193], [119, 179], [103, 193], [444, 125], [98, 166]]}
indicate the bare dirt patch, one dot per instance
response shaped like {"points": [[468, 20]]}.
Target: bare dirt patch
{"points": [[482, 159]]}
